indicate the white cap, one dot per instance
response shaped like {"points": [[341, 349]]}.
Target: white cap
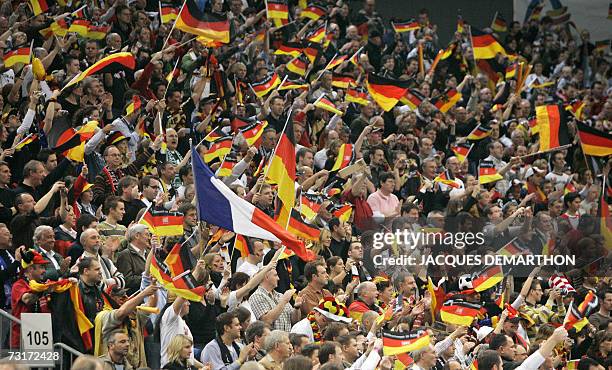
{"points": [[532, 171], [482, 332]]}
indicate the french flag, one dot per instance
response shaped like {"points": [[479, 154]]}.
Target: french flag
{"points": [[220, 206]]}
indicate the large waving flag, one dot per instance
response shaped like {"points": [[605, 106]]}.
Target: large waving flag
{"points": [[282, 173], [192, 19], [385, 91], [459, 312], [552, 124], [485, 45], [110, 64], [19, 55], [594, 142], [182, 285], [402, 342], [162, 222], [220, 206], [72, 143]]}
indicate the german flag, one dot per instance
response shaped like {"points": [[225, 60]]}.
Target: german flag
{"points": [[20, 55], [548, 246], [559, 15], [178, 260], [300, 228], [277, 9], [355, 58], [499, 24], [474, 365], [111, 64], [293, 85], [243, 245], [552, 125], [577, 316], [71, 143], [413, 98], [134, 105], [289, 48], [97, 32], [282, 173], [402, 361], [313, 11], [488, 173], [343, 81], [344, 158], [447, 100], [80, 27], [402, 342], [167, 13], [265, 86], [511, 70], [252, 133], [405, 26], [605, 219], [479, 133], [602, 45], [60, 285], [341, 211], [336, 62], [459, 312], [83, 323], [569, 188], [215, 134], [26, 141], [485, 45], [41, 6], [183, 285], [297, 66], [357, 96], [385, 91], [446, 178], [218, 149], [313, 52], [573, 364], [327, 105], [163, 223], [462, 151], [488, 278], [510, 249], [576, 107], [593, 141], [310, 204], [535, 11], [193, 20], [227, 166], [237, 123], [317, 35]]}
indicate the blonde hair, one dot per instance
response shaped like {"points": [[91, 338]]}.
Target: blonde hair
{"points": [[208, 259], [176, 346], [318, 246]]}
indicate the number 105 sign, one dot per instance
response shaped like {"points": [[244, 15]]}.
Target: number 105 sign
{"points": [[37, 336]]}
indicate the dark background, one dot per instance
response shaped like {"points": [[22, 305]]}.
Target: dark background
{"points": [[443, 13]]}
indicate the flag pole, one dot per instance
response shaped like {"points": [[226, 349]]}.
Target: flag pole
{"points": [[173, 24], [277, 144], [494, 19], [547, 151]]}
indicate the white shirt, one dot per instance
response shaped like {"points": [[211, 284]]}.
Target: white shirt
{"points": [[320, 158], [232, 304], [558, 181], [248, 268], [171, 325]]}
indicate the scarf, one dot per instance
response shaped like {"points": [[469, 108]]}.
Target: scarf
{"points": [[316, 331], [226, 355], [112, 178]]}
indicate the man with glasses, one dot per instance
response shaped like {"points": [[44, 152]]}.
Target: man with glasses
{"points": [[131, 261], [537, 314]]}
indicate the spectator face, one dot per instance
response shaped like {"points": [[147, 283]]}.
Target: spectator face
{"points": [[6, 238], [520, 354], [233, 330], [337, 269], [150, 192], [117, 212], [426, 146], [574, 205], [388, 186], [429, 169], [428, 357], [272, 278], [91, 50], [186, 351], [92, 241], [321, 276], [268, 140], [497, 150], [351, 349], [218, 263], [258, 251], [73, 67], [37, 272], [236, 6], [536, 293], [277, 107], [93, 273], [125, 16], [307, 160], [27, 203], [266, 197], [190, 218], [46, 240], [5, 175], [378, 159], [37, 176], [606, 304], [507, 350], [356, 251], [453, 165]]}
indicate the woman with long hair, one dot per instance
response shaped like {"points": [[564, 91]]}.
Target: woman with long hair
{"points": [[321, 247], [179, 353]]}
